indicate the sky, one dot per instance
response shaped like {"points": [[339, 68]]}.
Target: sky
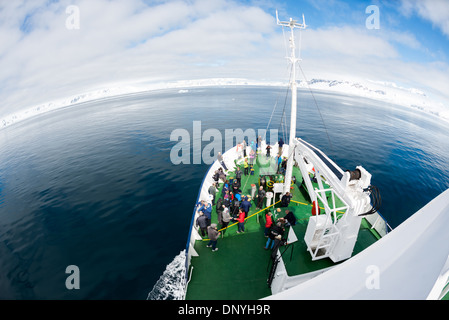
{"points": [[54, 49]]}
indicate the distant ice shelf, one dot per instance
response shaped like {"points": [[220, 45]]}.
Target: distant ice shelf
{"points": [[378, 90]]}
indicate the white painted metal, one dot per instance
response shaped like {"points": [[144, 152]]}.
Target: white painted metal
{"points": [[338, 240], [292, 24], [405, 264]]}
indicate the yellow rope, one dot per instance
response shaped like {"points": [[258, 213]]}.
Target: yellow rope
{"points": [[302, 203], [246, 218]]}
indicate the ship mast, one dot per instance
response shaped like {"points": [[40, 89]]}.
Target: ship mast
{"points": [[292, 24]]}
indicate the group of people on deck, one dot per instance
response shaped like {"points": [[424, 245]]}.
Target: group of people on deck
{"points": [[275, 231], [233, 206]]}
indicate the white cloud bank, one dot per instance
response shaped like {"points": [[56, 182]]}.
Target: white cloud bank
{"points": [[132, 45], [382, 91]]}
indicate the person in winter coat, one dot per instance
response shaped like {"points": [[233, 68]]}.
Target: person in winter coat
{"points": [[241, 221], [213, 234], [245, 205], [238, 175], [290, 217], [201, 222], [246, 167], [268, 151], [244, 145], [285, 200], [252, 157], [212, 191], [275, 231], [225, 218], [225, 187], [268, 222], [260, 196], [216, 176], [207, 210], [281, 144], [221, 174], [278, 241], [279, 164], [235, 186], [234, 208], [221, 160]]}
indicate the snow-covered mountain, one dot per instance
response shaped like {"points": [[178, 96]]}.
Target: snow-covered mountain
{"points": [[383, 91]]}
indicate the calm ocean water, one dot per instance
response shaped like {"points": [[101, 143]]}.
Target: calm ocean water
{"points": [[93, 185]]}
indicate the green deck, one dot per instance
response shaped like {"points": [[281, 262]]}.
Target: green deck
{"points": [[239, 269]]}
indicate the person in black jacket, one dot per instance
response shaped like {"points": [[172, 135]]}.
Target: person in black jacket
{"points": [[238, 175], [285, 200], [281, 144], [268, 151], [235, 186], [260, 196], [275, 231], [201, 222], [290, 217]]}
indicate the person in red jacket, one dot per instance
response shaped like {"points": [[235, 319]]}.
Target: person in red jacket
{"points": [[268, 223], [241, 221]]}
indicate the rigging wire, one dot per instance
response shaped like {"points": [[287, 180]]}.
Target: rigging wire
{"points": [[318, 108], [277, 98], [283, 117]]}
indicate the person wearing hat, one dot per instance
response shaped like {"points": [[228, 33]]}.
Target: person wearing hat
{"points": [[213, 234]]}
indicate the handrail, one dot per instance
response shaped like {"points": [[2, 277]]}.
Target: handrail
{"points": [[246, 218]]}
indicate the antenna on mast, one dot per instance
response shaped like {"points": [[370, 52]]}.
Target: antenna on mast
{"points": [[292, 24]]}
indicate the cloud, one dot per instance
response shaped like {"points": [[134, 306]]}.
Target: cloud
{"points": [[131, 41], [435, 11], [348, 41], [121, 41]]}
